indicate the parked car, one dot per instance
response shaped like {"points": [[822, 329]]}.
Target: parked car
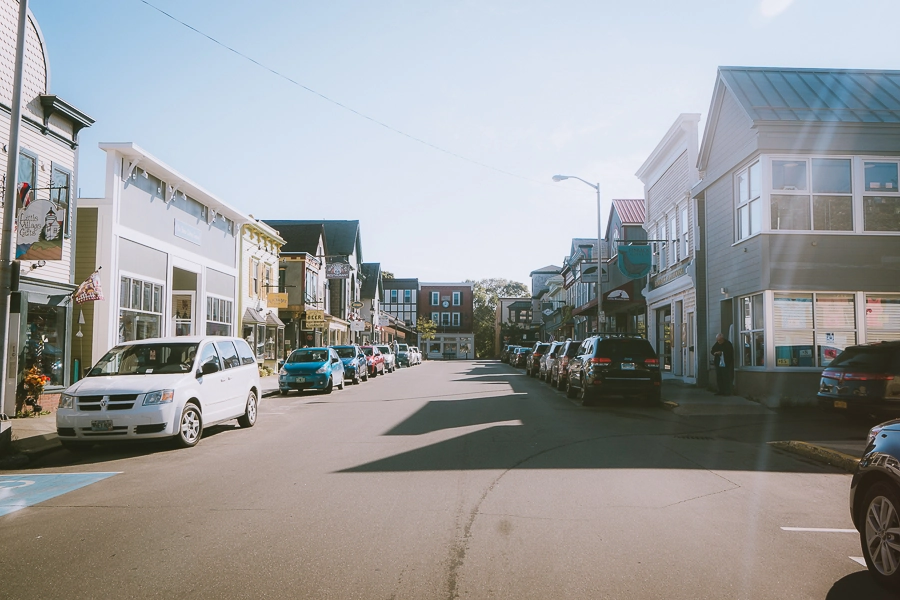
{"points": [[403, 355], [355, 364], [864, 379], [318, 369], [875, 503], [548, 360], [161, 387], [374, 360], [614, 365], [415, 356], [520, 356], [390, 359], [507, 352], [564, 355], [533, 362]]}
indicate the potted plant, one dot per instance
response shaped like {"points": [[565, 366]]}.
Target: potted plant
{"points": [[33, 385]]}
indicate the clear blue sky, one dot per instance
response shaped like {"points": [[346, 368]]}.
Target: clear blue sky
{"points": [[530, 88]]}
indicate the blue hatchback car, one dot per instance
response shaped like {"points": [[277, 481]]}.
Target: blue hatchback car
{"points": [[311, 369], [355, 365]]}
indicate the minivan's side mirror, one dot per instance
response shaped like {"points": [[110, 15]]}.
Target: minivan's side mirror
{"points": [[208, 368]]}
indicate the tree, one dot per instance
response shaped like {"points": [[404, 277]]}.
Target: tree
{"points": [[387, 275], [426, 329], [487, 294]]}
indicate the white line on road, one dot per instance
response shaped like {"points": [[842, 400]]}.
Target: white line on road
{"points": [[860, 560], [819, 529]]}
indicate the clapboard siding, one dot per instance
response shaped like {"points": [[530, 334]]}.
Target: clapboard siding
{"points": [[85, 264]]}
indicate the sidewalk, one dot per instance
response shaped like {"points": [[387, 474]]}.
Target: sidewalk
{"points": [[689, 400], [33, 437]]}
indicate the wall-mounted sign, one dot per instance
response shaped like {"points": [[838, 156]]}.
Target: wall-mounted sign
{"points": [[337, 271], [279, 300], [187, 232], [619, 295], [315, 319]]}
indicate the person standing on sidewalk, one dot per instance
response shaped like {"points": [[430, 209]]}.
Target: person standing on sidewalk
{"points": [[723, 355]]}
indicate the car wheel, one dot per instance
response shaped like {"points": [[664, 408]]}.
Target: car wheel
{"points": [[76, 447], [341, 384], [248, 419], [328, 388], [190, 427], [584, 396], [570, 391], [283, 392], [356, 379], [880, 535], [365, 376]]}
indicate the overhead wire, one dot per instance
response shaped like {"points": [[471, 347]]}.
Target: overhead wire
{"points": [[338, 103]]}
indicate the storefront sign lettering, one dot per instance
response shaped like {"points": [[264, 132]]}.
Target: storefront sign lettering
{"points": [[667, 277], [39, 231], [187, 232]]}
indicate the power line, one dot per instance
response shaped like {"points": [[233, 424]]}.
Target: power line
{"points": [[337, 103]]}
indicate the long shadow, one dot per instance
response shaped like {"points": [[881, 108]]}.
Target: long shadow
{"points": [[859, 585], [554, 434]]}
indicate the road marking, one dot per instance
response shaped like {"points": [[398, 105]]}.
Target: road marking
{"points": [[819, 529], [20, 491], [860, 560]]}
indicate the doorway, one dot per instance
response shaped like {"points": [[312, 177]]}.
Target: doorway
{"points": [[664, 337]]}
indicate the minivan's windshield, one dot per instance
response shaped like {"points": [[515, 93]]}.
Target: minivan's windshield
{"points": [[385, 349], [308, 355], [403, 348], [146, 359], [367, 351], [345, 351]]}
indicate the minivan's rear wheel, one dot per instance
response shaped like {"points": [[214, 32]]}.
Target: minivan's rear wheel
{"points": [[190, 427], [248, 419], [880, 535]]}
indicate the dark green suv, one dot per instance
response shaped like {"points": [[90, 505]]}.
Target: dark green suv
{"points": [[614, 364]]}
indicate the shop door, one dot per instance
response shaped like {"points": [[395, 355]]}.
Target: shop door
{"points": [[183, 313], [690, 369], [664, 337]]}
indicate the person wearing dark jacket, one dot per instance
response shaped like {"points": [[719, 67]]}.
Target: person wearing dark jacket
{"points": [[723, 357]]}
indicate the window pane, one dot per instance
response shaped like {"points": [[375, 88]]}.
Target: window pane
{"points": [[755, 216], [881, 176], [788, 175], [743, 222], [793, 311], [835, 311], [746, 314], [157, 299], [759, 321], [743, 188], [794, 348], [833, 213], [882, 317], [790, 212], [747, 349], [755, 180], [881, 213], [148, 297], [831, 175], [759, 349], [832, 343], [135, 294], [124, 293]]}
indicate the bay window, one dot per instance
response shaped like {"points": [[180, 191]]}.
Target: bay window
{"points": [[752, 335], [749, 213], [881, 200], [811, 329]]}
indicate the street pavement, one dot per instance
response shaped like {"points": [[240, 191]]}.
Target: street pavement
{"points": [[461, 479]]}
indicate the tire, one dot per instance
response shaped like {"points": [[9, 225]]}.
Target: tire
{"points": [[882, 514], [76, 447], [330, 387], [365, 377], [283, 392], [570, 391], [190, 427], [341, 384], [356, 379], [251, 411]]}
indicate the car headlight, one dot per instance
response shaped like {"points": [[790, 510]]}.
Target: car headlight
{"points": [[282, 371], [66, 401], [350, 367], [322, 369], [160, 397]]}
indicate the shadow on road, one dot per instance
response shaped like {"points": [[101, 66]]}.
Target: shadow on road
{"points": [[858, 585]]}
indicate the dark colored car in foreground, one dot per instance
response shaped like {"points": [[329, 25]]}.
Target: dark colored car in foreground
{"points": [[875, 503], [533, 362], [864, 379], [519, 357], [614, 365]]}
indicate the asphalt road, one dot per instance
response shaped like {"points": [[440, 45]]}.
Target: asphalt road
{"points": [[447, 480]]}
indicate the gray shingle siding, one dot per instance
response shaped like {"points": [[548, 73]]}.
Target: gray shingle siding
{"points": [[734, 138]]}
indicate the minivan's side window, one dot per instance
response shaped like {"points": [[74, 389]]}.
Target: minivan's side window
{"points": [[229, 354], [209, 355], [245, 352]]}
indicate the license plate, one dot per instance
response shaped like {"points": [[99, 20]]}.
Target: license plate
{"points": [[101, 425], [840, 404], [299, 380], [628, 366]]}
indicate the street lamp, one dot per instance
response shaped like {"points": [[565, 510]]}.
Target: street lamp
{"points": [[596, 186]]}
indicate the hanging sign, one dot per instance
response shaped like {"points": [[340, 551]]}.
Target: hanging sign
{"points": [[337, 271], [277, 300], [39, 230], [635, 261], [315, 319]]}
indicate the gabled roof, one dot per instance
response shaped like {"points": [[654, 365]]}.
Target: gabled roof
{"points": [[371, 275], [547, 269], [630, 211], [300, 238], [842, 95], [342, 237]]}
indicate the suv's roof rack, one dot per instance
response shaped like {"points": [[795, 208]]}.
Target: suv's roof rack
{"points": [[618, 334]]}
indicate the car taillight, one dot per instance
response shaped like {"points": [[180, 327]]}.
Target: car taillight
{"points": [[651, 362], [831, 374], [868, 376], [873, 433], [601, 361]]}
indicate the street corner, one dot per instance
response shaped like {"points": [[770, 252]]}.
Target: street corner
{"points": [[821, 454]]}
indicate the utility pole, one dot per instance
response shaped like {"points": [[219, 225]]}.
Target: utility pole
{"points": [[7, 242]]}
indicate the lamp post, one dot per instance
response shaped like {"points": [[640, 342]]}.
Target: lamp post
{"points": [[596, 186]]}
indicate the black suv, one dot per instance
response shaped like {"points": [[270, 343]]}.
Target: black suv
{"points": [[864, 379], [614, 365]]}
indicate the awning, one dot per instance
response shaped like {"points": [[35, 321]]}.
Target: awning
{"points": [[253, 316], [272, 319], [520, 305]]}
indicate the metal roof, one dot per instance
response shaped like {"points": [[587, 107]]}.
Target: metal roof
{"points": [[816, 95], [631, 212]]}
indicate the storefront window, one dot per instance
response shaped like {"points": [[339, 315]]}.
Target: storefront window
{"points": [[260, 342], [249, 334], [752, 322], [218, 316], [140, 311], [812, 329], [45, 341], [882, 317], [270, 343]]}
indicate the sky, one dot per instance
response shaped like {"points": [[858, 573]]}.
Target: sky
{"points": [[438, 125]]}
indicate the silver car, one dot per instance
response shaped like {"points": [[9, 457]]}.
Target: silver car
{"points": [[390, 359]]}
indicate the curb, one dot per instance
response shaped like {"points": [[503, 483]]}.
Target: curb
{"points": [[669, 405], [23, 452], [842, 461]]}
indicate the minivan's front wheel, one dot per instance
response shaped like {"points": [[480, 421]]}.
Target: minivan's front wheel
{"points": [[880, 535], [248, 419], [190, 427], [570, 391]]}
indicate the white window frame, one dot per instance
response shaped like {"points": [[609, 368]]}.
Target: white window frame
{"points": [[445, 319], [455, 319], [673, 238], [818, 329], [435, 298], [745, 206], [155, 284], [809, 194], [220, 311], [436, 318], [685, 228], [753, 332], [457, 298]]}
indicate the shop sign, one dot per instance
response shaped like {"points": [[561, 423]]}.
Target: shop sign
{"points": [[187, 232], [667, 277], [315, 319], [635, 261], [337, 271], [39, 231], [279, 300], [357, 325]]}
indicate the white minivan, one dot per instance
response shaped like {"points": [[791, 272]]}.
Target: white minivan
{"points": [[162, 387]]}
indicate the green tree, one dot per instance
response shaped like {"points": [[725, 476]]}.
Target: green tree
{"points": [[387, 275], [426, 329], [487, 294]]}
